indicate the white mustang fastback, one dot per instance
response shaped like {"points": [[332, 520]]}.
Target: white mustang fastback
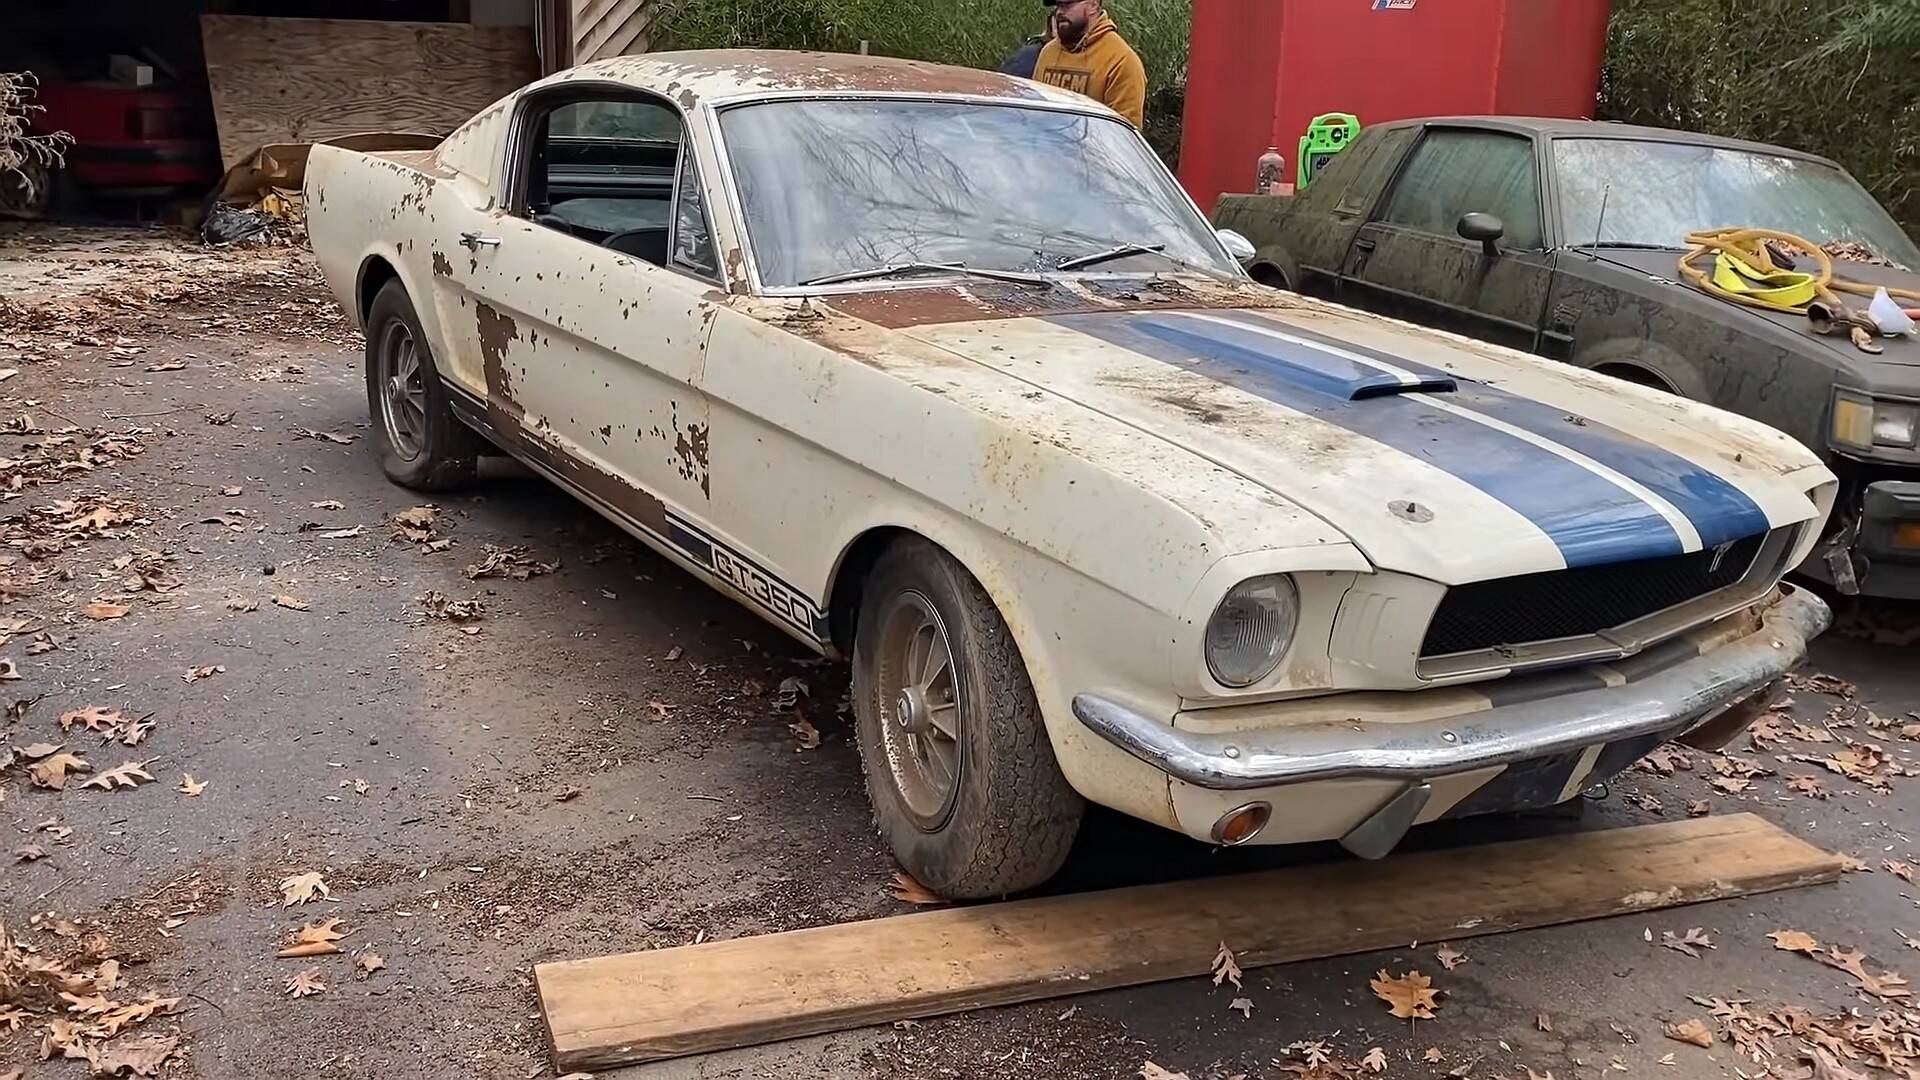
{"points": [[940, 370]]}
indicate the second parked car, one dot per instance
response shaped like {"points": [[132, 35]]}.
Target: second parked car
{"points": [[1562, 237]]}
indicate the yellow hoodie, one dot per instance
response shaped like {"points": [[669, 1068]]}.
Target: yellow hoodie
{"points": [[1103, 67]]}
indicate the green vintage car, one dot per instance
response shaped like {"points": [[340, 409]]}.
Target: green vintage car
{"points": [[1562, 238]]}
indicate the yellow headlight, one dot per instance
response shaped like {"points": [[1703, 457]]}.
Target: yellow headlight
{"points": [[1853, 422]]}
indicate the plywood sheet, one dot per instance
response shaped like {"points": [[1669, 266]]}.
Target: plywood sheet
{"points": [[616, 1010], [303, 80]]}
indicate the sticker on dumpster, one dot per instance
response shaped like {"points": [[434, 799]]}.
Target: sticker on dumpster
{"points": [[1393, 5]]}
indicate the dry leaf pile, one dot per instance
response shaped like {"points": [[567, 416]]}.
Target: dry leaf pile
{"points": [[65, 454], [415, 526], [45, 531], [111, 725], [148, 570], [507, 562], [65, 1000]]}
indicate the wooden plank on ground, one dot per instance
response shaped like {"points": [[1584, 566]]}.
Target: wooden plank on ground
{"points": [[303, 80], [616, 1010]]}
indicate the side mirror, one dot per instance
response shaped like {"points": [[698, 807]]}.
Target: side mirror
{"points": [[1486, 228], [1237, 246]]}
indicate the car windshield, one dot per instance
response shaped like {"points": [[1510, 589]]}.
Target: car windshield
{"points": [[1657, 192], [832, 186]]}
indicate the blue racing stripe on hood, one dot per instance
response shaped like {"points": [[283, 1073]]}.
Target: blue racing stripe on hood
{"points": [[1718, 510], [1590, 519]]}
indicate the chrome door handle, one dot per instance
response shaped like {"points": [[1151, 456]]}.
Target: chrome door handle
{"points": [[473, 241]]}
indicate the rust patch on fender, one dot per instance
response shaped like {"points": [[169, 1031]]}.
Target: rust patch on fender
{"points": [[442, 267]]}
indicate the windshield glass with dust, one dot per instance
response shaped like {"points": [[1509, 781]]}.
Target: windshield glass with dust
{"points": [[1657, 192], [833, 186]]}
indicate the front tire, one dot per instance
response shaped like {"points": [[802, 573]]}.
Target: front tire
{"points": [[422, 444], [963, 780]]}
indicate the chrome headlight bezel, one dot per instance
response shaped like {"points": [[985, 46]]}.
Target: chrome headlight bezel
{"points": [[1270, 599]]}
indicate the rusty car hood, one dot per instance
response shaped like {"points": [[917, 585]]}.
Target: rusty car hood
{"points": [[1896, 368], [1435, 455]]}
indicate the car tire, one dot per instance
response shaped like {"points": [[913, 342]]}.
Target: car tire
{"points": [[422, 444], [1007, 816]]}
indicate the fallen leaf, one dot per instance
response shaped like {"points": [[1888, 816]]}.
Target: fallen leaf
{"points": [[328, 504], [1543, 1021], [190, 787], [29, 853], [303, 889], [1888, 985], [51, 772], [418, 518], [1851, 961], [804, 731], [205, 672], [1243, 1005], [291, 602], [1449, 957], [1316, 1053], [1433, 1055], [102, 610], [675, 653], [126, 775], [1150, 1071], [342, 534], [1898, 869], [36, 750], [305, 983], [1690, 943], [1828, 1067], [314, 939], [366, 964], [231, 490], [136, 1055], [8, 670], [325, 436], [661, 710], [1375, 1061], [1854, 864], [1692, 1031], [241, 603], [95, 718], [1225, 969], [1699, 808], [908, 889], [1730, 785], [1809, 786], [1410, 997], [1795, 941], [1644, 801], [218, 419], [170, 365]]}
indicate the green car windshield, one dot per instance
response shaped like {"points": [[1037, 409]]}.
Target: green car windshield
{"points": [[838, 185], [1657, 192]]}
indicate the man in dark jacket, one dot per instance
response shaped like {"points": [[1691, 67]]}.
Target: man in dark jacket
{"points": [[1022, 61]]}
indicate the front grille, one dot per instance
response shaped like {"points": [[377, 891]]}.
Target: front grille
{"points": [[1570, 603]]}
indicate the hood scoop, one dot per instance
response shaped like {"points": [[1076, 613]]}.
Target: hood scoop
{"points": [[1310, 363]]}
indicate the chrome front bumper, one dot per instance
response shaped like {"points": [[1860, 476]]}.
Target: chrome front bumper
{"points": [[1677, 698]]}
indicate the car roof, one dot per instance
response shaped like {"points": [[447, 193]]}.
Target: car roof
{"points": [[710, 75], [1552, 127]]}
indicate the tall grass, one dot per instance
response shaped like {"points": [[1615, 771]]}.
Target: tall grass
{"points": [[973, 33]]}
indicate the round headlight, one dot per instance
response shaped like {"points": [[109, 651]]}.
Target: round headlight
{"points": [[1250, 630]]}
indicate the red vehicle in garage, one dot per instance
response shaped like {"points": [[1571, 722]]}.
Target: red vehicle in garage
{"points": [[129, 142]]}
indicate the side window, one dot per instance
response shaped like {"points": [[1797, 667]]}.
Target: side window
{"points": [[1454, 172], [1371, 174], [692, 239], [602, 170]]}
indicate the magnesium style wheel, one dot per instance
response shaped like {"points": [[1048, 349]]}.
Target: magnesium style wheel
{"points": [[422, 444], [964, 784]]}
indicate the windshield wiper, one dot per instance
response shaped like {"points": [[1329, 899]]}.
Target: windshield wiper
{"points": [[898, 269], [1119, 251], [1631, 245]]}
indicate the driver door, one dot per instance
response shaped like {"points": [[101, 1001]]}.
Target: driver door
{"points": [[1410, 262], [588, 293]]}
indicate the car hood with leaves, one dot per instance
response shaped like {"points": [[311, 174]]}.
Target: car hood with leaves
{"points": [[1434, 455]]}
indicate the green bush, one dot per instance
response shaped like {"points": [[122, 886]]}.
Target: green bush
{"points": [[1840, 78], [972, 33]]}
